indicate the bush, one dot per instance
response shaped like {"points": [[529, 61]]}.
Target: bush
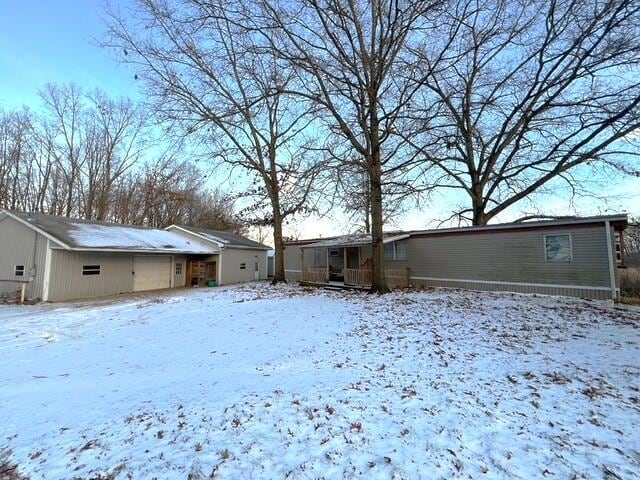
{"points": [[630, 282]]}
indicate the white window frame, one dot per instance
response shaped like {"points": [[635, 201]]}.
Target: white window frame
{"points": [[15, 270], [544, 246], [334, 252], [98, 270], [243, 266], [181, 266]]}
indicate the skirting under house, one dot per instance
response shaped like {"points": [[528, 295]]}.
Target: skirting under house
{"points": [[577, 257]]}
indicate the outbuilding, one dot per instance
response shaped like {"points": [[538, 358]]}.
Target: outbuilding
{"points": [[54, 258]]}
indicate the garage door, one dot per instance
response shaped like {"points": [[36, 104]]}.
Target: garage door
{"points": [[151, 272]]}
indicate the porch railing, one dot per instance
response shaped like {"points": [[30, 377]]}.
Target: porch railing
{"points": [[357, 276], [314, 274], [396, 278]]}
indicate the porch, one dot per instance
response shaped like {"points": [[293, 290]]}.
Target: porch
{"points": [[345, 266]]}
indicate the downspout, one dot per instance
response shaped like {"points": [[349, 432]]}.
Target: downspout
{"points": [[612, 272]]}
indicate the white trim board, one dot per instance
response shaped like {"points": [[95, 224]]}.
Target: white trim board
{"points": [[612, 271], [293, 271], [521, 284], [47, 273]]}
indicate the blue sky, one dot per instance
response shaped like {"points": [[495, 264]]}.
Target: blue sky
{"points": [[55, 41]]}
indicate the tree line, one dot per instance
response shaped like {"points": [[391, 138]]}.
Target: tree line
{"points": [[373, 103], [90, 156]]}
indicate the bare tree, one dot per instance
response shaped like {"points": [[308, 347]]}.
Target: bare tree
{"points": [[116, 128], [529, 98], [203, 75], [65, 109], [353, 59]]}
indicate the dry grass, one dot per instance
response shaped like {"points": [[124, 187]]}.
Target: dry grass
{"points": [[8, 470], [630, 285]]}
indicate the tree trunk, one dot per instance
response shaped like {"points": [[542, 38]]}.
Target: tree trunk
{"points": [[379, 284], [477, 203], [278, 271]]}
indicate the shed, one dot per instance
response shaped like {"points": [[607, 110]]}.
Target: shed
{"points": [[60, 258]]}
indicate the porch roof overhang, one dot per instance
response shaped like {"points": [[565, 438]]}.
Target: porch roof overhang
{"points": [[355, 240]]}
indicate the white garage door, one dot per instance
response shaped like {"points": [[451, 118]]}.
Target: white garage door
{"points": [[151, 272]]}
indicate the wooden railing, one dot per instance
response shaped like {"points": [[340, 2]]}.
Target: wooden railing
{"points": [[314, 274], [396, 278], [357, 276]]}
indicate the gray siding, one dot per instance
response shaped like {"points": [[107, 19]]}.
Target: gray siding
{"points": [[509, 260], [515, 256], [231, 260], [21, 245], [66, 281]]}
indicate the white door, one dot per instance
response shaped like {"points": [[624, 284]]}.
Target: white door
{"points": [[151, 272]]}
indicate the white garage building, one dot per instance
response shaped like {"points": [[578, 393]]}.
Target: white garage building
{"points": [[59, 258]]}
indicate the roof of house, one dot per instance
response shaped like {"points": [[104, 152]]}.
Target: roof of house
{"points": [[361, 239], [86, 235], [354, 240], [618, 219], [221, 238]]}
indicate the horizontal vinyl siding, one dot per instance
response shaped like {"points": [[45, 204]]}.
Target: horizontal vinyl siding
{"points": [[21, 246], [68, 283], [515, 256]]}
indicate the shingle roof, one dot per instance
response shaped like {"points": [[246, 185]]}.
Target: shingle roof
{"points": [[226, 239], [78, 234]]}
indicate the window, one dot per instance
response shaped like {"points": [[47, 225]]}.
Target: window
{"points": [[334, 252], [557, 248], [401, 250], [388, 251], [243, 266], [395, 251], [19, 271], [91, 270], [178, 269], [318, 258]]}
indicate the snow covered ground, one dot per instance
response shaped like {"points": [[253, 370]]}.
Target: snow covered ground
{"points": [[260, 382]]}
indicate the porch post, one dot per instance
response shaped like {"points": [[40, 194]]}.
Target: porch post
{"points": [[344, 259], [327, 266], [301, 264]]}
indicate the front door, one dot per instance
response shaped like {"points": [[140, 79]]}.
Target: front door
{"points": [[352, 257]]}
